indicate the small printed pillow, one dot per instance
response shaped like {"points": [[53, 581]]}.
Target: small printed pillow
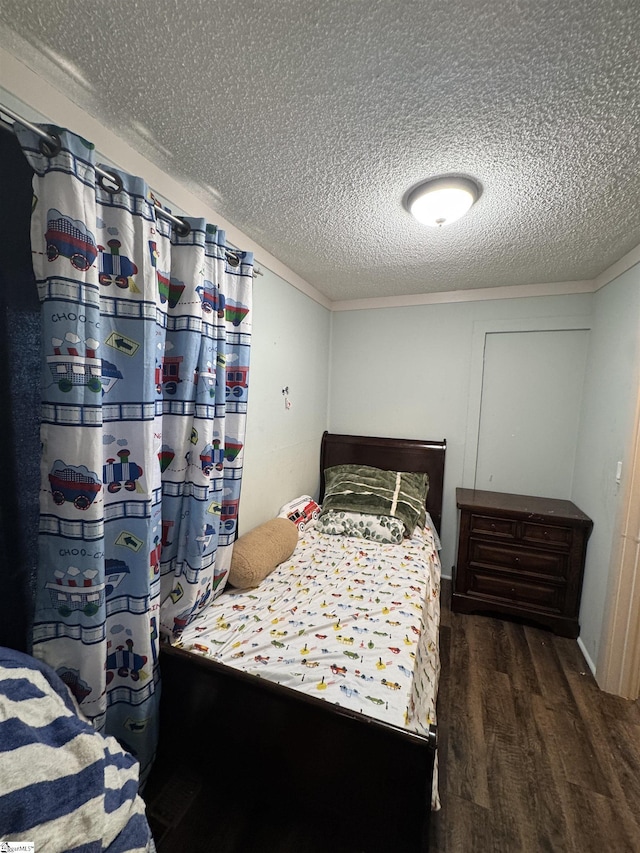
{"points": [[376, 528], [303, 511]]}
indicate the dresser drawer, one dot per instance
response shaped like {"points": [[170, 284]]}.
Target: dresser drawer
{"points": [[504, 528], [549, 563], [547, 534], [510, 590]]}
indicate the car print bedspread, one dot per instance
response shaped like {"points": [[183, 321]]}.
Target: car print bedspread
{"points": [[344, 619]]}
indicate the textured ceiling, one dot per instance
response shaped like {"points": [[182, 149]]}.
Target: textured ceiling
{"points": [[305, 123]]}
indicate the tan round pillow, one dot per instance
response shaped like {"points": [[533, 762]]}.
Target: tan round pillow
{"points": [[258, 552]]}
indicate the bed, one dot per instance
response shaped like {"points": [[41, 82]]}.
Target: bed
{"points": [[326, 674]]}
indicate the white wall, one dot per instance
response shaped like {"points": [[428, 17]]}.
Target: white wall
{"points": [[608, 414], [531, 389], [416, 373], [289, 348]]}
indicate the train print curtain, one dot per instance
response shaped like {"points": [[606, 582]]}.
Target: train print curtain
{"points": [[144, 391]]}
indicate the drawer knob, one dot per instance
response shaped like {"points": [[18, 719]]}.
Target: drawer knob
{"points": [[516, 559], [493, 527], [546, 534]]}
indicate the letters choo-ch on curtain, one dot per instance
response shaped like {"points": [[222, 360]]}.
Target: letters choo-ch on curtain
{"points": [[145, 365]]}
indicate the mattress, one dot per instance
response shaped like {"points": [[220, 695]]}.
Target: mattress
{"points": [[346, 620]]}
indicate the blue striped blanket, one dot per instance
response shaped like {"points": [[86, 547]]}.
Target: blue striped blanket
{"points": [[63, 786]]}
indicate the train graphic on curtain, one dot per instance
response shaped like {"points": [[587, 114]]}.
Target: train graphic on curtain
{"points": [[75, 363], [79, 486], [70, 238]]}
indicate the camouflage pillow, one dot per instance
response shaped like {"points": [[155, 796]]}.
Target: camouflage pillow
{"points": [[372, 491]]}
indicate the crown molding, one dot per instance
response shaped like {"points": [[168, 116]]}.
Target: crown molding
{"points": [[480, 294], [621, 266], [520, 291]]}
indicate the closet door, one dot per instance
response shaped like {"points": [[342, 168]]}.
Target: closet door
{"points": [[530, 411]]}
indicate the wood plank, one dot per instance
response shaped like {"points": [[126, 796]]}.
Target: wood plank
{"points": [[510, 811], [550, 672], [624, 743], [571, 749], [616, 743], [523, 813], [517, 660], [593, 823], [465, 826], [466, 748], [540, 795]]}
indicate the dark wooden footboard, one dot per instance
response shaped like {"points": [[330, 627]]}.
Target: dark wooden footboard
{"points": [[341, 772]]}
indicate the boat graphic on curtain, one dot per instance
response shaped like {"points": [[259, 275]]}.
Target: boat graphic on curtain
{"points": [[144, 395]]}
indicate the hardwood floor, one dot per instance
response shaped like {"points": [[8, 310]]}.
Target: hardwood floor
{"points": [[533, 757]]}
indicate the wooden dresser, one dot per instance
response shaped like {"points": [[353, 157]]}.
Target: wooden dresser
{"points": [[521, 556]]}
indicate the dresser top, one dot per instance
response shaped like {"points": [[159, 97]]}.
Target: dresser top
{"points": [[546, 509]]}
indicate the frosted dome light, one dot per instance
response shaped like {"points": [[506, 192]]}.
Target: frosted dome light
{"points": [[440, 201]]}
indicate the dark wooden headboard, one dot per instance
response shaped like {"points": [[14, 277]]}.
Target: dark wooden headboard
{"points": [[390, 454]]}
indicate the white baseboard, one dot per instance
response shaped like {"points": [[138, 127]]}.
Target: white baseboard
{"points": [[587, 657]]}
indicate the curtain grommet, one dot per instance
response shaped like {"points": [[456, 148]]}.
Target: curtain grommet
{"points": [[52, 146], [116, 181], [184, 229], [233, 259]]}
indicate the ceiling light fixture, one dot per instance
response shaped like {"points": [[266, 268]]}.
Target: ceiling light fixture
{"points": [[440, 201]]}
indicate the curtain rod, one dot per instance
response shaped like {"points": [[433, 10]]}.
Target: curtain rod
{"points": [[53, 144]]}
